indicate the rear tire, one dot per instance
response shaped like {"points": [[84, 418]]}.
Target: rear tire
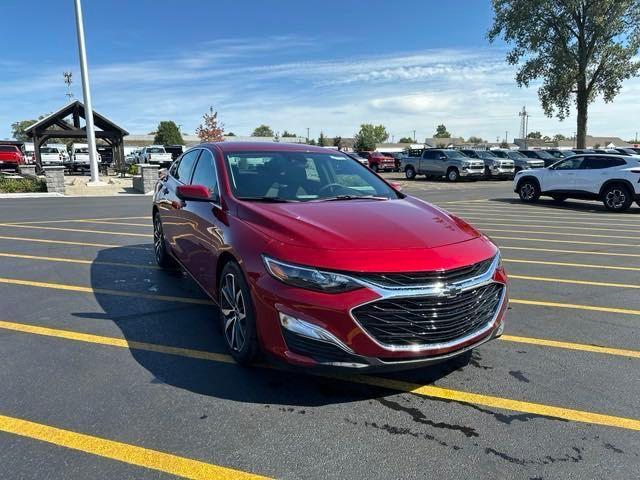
{"points": [[529, 191], [237, 314], [410, 173], [616, 198], [453, 175], [163, 257]]}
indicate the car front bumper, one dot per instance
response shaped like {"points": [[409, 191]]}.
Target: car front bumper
{"points": [[467, 172], [311, 329]]}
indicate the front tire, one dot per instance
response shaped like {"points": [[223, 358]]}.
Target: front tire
{"points": [[374, 167], [453, 175], [616, 198], [410, 173], [237, 314], [529, 191], [163, 257]]}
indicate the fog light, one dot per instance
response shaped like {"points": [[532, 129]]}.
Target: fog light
{"points": [[310, 330]]}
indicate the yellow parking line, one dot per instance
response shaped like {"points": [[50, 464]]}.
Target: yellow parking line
{"points": [[566, 264], [105, 291], [80, 230], [423, 390], [75, 220], [571, 346], [577, 234], [67, 242], [575, 282], [579, 252], [562, 227], [573, 242], [122, 452], [543, 220], [592, 308], [148, 225], [78, 261]]}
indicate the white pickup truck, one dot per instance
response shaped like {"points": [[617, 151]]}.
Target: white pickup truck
{"points": [[155, 154], [50, 156], [79, 159]]}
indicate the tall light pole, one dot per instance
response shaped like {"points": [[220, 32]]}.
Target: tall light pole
{"points": [[88, 109]]}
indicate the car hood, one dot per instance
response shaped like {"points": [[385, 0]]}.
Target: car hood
{"points": [[375, 225]]}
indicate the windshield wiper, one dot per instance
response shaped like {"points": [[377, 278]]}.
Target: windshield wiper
{"points": [[267, 199], [353, 197]]}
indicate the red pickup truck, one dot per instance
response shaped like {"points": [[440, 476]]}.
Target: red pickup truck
{"points": [[379, 161], [10, 156]]}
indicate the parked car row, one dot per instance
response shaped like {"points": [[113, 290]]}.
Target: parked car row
{"points": [[154, 154]]}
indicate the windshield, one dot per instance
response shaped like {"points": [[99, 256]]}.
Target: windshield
{"points": [[517, 155], [302, 177], [546, 155], [8, 148], [156, 150], [48, 150], [486, 155], [454, 154], [81, 150]]}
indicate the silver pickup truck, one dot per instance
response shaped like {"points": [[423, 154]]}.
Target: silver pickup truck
{"points": [[442, 162]]}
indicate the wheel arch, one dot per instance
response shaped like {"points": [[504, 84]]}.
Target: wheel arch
{"points": [[224, 258], [616, 181], [528, 177]]}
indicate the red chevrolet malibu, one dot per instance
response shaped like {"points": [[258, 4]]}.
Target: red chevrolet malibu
{"points": [[318, 261]]}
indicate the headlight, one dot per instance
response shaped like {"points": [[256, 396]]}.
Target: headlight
{"points": [[309, 277], [465, 165]]}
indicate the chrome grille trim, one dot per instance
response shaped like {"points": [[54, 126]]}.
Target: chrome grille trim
{"points": [[448, 290]]}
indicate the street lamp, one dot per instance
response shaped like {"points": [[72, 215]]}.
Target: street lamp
{"points": [[88, 109]]}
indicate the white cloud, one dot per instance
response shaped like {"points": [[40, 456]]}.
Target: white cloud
{"points": [[273, 81]]}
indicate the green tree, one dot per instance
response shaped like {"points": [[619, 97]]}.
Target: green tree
{"points": [[168, 133], [288, 134], [210, 130], [263, 131], [475, 140], [337, 142], [312, 142], [406, 140], [18, 128], [369, 135], [558, 137], [536, 135], [504, 144], [579, 49], [322, 140], [441, 132], [230, 134]]}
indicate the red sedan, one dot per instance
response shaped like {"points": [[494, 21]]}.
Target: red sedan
{"points": [[316, 260], [11, 156]]}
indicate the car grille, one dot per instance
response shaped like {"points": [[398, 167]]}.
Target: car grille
{"points": [[399, 280], [429, 320]]}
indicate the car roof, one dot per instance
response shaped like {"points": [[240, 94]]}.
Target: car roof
{"points": [[226, 147]]}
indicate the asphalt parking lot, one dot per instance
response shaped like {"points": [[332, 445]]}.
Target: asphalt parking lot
{"points": [[111, 368]]}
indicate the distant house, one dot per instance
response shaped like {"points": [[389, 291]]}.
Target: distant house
{"points": [[591, 142], [444, 142]]}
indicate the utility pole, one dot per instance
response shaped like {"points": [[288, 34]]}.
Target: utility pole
{"points": [[88, 108], [524, 124], [414, 136], [308, 135], [67, 79]]}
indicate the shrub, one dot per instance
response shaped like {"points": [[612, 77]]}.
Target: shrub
{"points": [[22, 185]]}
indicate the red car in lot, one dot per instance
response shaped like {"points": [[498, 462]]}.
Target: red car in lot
{"points": [[379, 161], [10, 156], [316, 260]]}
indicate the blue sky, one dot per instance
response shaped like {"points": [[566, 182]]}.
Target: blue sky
{"points": [[328, 65]]}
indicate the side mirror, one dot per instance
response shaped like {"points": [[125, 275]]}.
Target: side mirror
{"points": [[197, 193]]}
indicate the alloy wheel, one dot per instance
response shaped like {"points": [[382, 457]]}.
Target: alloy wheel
{"points": [[615, 198], [527, 191], [232, 305], [158, 239]]}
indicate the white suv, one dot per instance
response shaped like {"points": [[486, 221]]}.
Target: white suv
{"points": [[615, 180]]}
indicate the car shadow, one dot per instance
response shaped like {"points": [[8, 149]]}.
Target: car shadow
{"points": [[572, 205], [195, 327]]}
